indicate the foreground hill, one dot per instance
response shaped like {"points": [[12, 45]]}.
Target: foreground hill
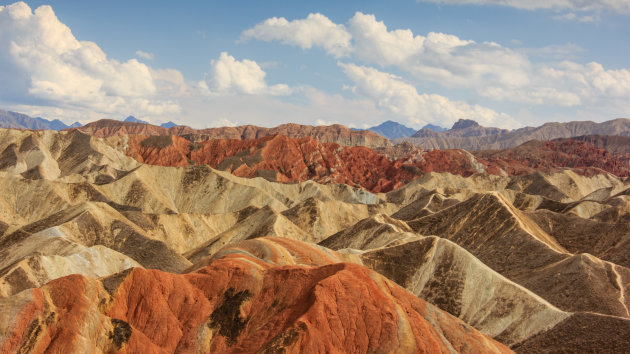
{"points": [[469, 135], [99, 251], [334, 133], [235, 304]]}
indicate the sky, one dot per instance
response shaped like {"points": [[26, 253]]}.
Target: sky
{"points": [[503, 63]]}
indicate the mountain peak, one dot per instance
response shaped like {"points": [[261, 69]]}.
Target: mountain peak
{"points": [[392, 130], [133, 119], [168, 124], [465, 123]]}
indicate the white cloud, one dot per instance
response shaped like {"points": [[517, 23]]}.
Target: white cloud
{"points": [[620, 6], [230, 76], [438, 57], [572, 16], [144, 55], [569, 84], [315, 30], [221, 122], [487, 69], [43, 64], [391, 93]]}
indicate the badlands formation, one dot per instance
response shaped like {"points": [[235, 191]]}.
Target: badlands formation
{"points": [[140, 242]]}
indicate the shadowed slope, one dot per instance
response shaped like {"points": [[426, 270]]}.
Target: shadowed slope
{"points": [[513, 245]]}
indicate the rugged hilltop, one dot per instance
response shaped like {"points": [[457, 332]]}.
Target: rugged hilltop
{"points": [[334, 133], [102, 252]]}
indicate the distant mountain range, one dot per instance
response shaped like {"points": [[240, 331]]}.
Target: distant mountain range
{"points": [[395, 130], [469, 135], [392, 130], [465, 134], [16, 120], [133, 119], [168, 125], [22, 121], [433, 127]]}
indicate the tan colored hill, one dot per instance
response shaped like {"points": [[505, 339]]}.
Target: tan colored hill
{"points": [[513, 245]]}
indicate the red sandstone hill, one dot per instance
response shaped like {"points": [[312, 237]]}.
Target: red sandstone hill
{"points": [[329, 134], [552, 155], [283, 159], [236, 304]]}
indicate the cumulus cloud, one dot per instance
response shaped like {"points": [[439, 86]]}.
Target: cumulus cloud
{"points": [[230, 76], [488, 69], [438, 57], [42, 63], [314, 30], [569, 84], [144, 55], [620, 6], [392, 93]]}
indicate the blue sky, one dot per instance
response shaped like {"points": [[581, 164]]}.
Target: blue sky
{"points": [[356, 63]]}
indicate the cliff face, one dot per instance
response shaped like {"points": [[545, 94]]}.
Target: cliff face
{"points": [[329, 134]]}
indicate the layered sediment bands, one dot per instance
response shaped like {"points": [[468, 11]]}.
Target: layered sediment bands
{"points": [[549, 155], [536, 261], [93, 224], [283, 159], [77, 157], [277, 158], [235, 304]]}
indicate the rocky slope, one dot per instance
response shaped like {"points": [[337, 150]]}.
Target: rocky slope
{"points": [[469, 136], [328, 134], [101, 252]]}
